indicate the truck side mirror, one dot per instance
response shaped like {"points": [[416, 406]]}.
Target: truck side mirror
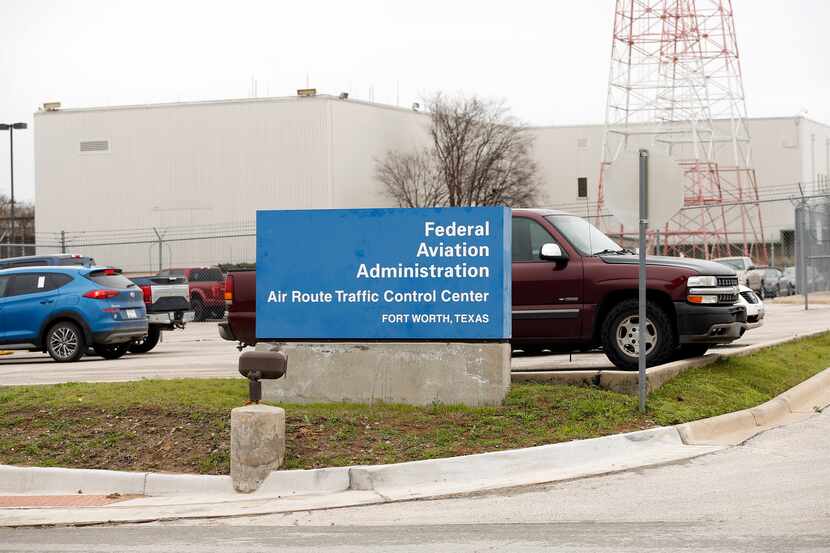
{"points": [[552, 252], [261, 365]]}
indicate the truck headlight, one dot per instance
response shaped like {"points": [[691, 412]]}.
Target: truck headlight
{"points": [[698, 281], [702, 299]]}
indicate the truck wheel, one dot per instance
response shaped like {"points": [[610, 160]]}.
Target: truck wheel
{"points": [[65, 342], [198, 306], [620, 335], [148, 342], [111, 351]]}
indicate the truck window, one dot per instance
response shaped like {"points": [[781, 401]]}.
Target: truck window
{"points": [[206, 275], [528, 239]]}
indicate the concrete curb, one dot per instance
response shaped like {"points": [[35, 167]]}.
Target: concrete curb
{"points": [[522, 467], [61, 481], [798, 403], [811, 395]]}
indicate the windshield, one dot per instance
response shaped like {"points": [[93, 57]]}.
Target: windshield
{"points": [[582, 235]]}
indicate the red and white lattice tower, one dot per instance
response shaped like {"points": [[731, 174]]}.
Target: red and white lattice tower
{"points": [[675, 87]]}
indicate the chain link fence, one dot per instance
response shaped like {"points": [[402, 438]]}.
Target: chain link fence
{"points": [[812, 245], [149, 250], [17, 236]]}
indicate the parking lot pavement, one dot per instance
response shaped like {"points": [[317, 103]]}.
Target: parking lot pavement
{"points": [[195, 352], [199, 352]]}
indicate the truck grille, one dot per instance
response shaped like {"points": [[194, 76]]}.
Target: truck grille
{"points": [[727, 299], [727, 281]]}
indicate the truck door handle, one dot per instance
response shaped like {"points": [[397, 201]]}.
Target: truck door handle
{"points": [[44, 302]]}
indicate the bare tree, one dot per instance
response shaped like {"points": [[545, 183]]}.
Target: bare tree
{"points": [[24, 222], [480, 155], [412, 179]]}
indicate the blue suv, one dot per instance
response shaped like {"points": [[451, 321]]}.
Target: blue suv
{"points": [[65, 310]]}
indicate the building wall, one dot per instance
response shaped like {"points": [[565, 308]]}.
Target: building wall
{"points": [[815, 141], [203, 169], [181, 165], [362, 134], [778, 150]]}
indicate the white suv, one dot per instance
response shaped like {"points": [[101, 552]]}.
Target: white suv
{"points": [[742, 265]]}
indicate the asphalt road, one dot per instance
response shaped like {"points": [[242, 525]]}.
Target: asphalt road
{"points": [[770, 495], [199, 352]]}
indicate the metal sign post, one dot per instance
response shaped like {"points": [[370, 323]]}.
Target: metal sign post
{"points": [[635, 203], [643, 317]]}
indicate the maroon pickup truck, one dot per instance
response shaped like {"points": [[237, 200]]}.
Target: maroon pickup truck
{"points": [[575, 289]]}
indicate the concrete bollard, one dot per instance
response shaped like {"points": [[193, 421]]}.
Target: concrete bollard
{"points": [[257, 445]]}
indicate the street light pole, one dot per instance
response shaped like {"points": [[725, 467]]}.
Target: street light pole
{"points": [[11, 127]]}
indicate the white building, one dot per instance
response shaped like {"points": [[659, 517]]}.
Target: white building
{"points": [[196, 170]]}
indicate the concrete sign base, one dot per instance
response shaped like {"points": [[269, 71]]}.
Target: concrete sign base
{"points": [[423, 373]]}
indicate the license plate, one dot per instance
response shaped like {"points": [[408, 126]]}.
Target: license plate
{"points": [[131, 314]]}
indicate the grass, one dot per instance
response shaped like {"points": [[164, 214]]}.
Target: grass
{"points": [[183, 425]]}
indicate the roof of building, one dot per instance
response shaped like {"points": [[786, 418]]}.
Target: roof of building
{"points": [[330, 97]]}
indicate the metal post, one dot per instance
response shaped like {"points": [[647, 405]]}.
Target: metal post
{"points": [[161, 247], [801, 252], [657, 245], [11, 174], [63, 242], [643, 316]]}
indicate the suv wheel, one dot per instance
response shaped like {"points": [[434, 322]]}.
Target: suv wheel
{"points": [[620, 335], [65, 342], [148, 342], [111, 351]]}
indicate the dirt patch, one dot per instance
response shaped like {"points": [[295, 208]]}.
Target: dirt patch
{"points": [[134, 439]]}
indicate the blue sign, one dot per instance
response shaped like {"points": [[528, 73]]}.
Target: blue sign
{"points": [[384, 274]]}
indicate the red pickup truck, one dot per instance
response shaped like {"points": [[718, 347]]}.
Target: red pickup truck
{"points": [[575, 289], [207, 290]]}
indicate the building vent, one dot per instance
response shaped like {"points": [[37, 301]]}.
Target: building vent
{"points": [[95, 146], [581, 143]]}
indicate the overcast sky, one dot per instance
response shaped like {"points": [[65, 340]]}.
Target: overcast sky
{"points": [[548, 59]]}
